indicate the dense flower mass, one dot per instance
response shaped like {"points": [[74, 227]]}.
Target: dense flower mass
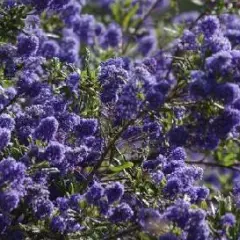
{"points": [[119, 120]]}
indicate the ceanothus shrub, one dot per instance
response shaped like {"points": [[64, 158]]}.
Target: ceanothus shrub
{"points": [[119, 119]]}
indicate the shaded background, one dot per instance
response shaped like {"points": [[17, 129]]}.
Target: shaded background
{"points": [[187, 5]]}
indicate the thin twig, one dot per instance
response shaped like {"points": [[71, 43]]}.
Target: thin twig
{"points": [[147, 14], [178, 49], [196, 21], [233, 167], [109, 147]]}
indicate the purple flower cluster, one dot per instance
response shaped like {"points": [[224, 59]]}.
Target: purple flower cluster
{"points": [[217, 81], [97, 120]]}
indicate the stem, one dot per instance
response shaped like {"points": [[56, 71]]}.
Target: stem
{"points": [[196, 21], [147, 14], [178, 49], [109, 147], [233, 167], [114, 180]]}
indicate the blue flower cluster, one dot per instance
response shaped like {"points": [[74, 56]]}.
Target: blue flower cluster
{"points": [[98, 120]]}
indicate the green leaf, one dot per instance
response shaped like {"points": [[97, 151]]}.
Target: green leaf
{"points": [[116, 11], [40, 165], [204, 205], [144, 236], [229, 159], [130, 14], [12, 22], [222, 208], [197, 2], [71, 189], [127, 3], [30, 228], [121, 167]]}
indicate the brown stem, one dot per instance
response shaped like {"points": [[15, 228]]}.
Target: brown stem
{"points": [[109, 147], [147, 14], [233, 167], [177, 50]]}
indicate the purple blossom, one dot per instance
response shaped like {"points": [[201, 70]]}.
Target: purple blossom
{"points": [[73, 81], [114, 192], [5, 136], [54, 153], [178, 136], [228, 219], [219, 63], [157, 177], [47, 129], [178, 213], [146, 45], [227, 92], [86, 127], [121, 213], [178, 153], [84, 27], [6, 121], [209, 26], [112, 36], [9, 200], [94, 193], [58, 224], [189, 41], [27, 45], [50, 49], [43, 208]]}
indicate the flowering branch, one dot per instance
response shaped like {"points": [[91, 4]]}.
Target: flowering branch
{"points": [[109, 147], [146, 15], [234, 167]]}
